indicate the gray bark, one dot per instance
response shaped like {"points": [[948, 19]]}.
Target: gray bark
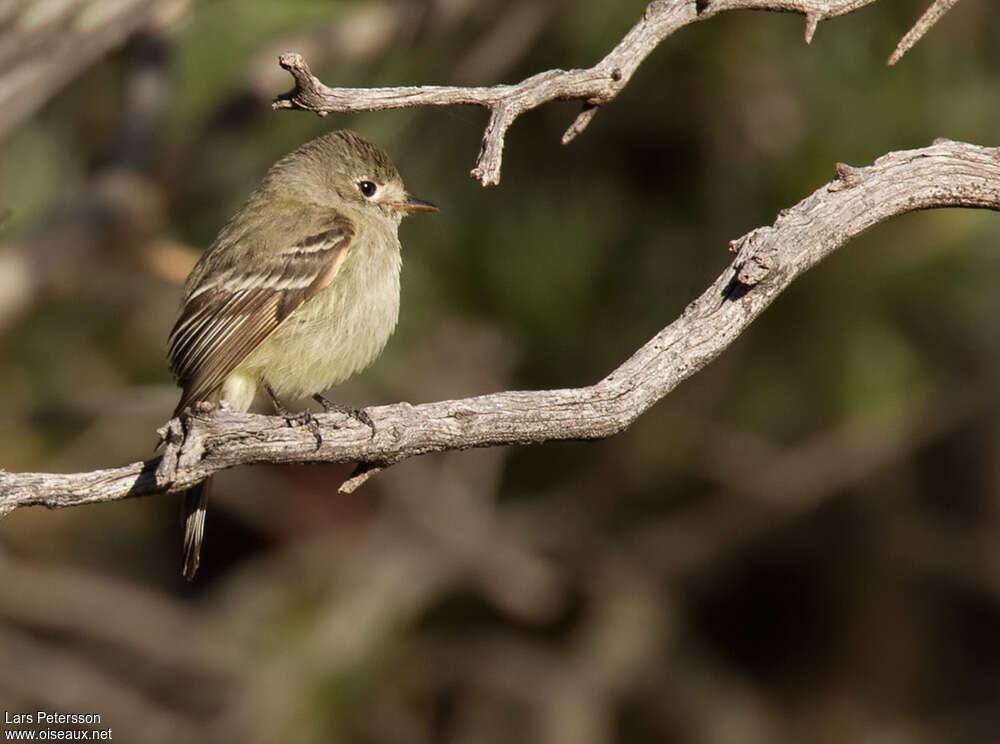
{"points": [[768, 259]]}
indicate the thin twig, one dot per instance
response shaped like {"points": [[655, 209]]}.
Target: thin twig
{"points": [[931, 16]]}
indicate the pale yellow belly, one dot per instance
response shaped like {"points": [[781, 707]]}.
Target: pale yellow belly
{"points": [[338, 332]]}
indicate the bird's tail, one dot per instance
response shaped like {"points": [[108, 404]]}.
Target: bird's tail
{"points": [[238, 391], [194, 501]]}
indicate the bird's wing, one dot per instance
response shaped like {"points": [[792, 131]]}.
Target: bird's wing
{"points": [[231, 311]]}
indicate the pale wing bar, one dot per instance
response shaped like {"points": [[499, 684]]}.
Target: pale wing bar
{"points": [[228, 315]]}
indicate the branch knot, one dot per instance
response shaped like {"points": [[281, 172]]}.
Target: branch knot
{"points": [[184, 448], [847, 176], [756, 256]]}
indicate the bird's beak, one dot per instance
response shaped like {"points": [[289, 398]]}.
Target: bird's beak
{"points": [[411, 204]]}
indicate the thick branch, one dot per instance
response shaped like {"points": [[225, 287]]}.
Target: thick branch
{"points": [[768, 259], [593, 86]]}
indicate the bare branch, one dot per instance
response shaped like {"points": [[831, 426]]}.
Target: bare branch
{"points": [[768, 259], [359, 477], [931, 16], [593, 86]]}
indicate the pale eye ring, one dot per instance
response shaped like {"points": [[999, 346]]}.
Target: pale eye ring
{"points": [[367, 188]]}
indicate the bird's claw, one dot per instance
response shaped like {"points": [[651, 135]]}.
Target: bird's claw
{"points": [[306, 419], [358, 414]]}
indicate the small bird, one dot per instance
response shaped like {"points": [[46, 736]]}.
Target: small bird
{"points": [[298, 291]]}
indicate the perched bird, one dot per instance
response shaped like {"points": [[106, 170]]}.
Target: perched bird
{"points": [[299, 290]]}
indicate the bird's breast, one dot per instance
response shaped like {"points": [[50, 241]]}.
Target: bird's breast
{"points": [[339, 331]]}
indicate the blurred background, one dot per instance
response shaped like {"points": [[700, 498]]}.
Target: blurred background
{"points": [[801, 543]]}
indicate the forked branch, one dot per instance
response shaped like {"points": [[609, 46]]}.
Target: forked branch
{"points": [[594, 86]]}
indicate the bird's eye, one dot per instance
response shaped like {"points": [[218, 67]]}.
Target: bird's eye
{"points": [[367, 188]]}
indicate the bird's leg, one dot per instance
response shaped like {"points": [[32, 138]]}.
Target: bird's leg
{"points": [[358, 414], [305, 418]]}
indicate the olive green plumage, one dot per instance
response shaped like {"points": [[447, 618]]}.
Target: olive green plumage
{"points": [[299, 290]]}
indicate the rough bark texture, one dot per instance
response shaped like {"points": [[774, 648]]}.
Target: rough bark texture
{"points": [[768, 259]]}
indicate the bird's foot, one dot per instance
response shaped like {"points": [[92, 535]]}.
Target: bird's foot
{"points": [[358, 414], [304, 418]]}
